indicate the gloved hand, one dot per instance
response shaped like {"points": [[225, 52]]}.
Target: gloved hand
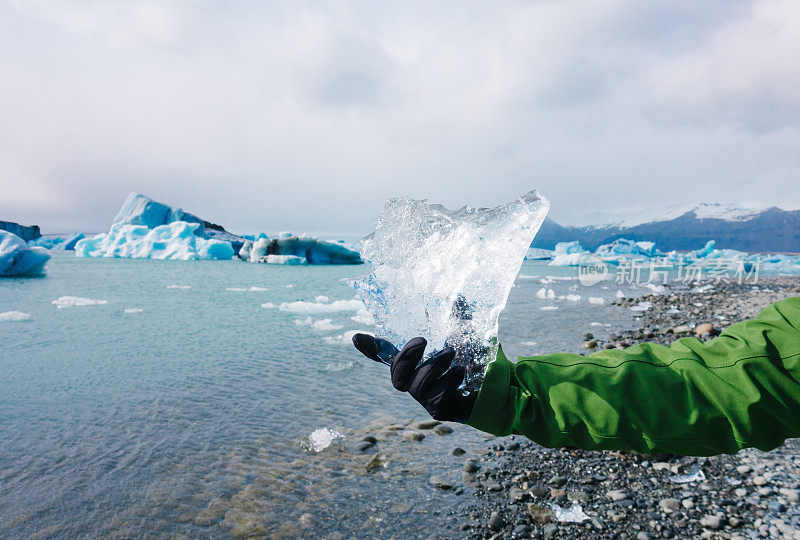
{"points": [[433, 383]]}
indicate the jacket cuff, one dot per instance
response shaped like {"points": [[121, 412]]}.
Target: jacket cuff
{"points": [[493, 411]]}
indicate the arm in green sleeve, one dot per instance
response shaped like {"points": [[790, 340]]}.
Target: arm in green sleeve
{"points": [[741, 389]]}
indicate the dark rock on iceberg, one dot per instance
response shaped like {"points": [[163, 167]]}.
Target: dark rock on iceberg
{"points": [[26, 233]]}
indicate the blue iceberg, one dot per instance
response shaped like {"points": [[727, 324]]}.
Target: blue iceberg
{"points": [[17, 258], [176, 240], [147, 229], [568, 254], [291, 249], [64, 243]]}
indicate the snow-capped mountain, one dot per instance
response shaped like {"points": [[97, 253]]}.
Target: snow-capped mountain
{"points": [[732, 226]]}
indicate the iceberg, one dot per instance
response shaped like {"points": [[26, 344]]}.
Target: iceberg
{"points": [[17, 258], [52, 242], [147, 229], [176, 240], [446, 274], [537, 254], [624, 248], [567, 254], [291, 249]]}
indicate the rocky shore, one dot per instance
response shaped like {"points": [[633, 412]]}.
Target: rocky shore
{"points": [[522, 490]]}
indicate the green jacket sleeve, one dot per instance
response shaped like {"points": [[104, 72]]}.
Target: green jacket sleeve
{"points": [[738, 390]]}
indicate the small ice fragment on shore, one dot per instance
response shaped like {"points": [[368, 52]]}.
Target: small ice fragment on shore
{"points": [[268, 305], [182, 287], [642, 306], [258, 289], [548, 308], [15, 316], [573, 514], [545, 293], [237, 289], [322, 298], [672, 311], [573, 297], [313, 308], [703, 289], [132, 310], [657, 289], [596, 301], [75, 301], [695, 474], [322, 438], [733, 481]]}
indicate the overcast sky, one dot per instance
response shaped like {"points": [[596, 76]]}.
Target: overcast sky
{"points": [[306, 116]]}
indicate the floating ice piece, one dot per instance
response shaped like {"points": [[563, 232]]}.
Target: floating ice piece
{"points": [[176, 240], [537, 254], [313, 308], [15, 316], [573, 514], [182, 287], [321, 298], [568, 254], [548, 308], [573, 297], [446, 274], [258, 289], [529, 343], [130, 311], [76, 301], [695, 474], [268, 305], [545, 293], [322, 438], [596, 300], [364, 317], [236, 289], [337, 367], [346, 338], [18, 259], [523, 276], [324, 325], [290, 249], [622, 247]]}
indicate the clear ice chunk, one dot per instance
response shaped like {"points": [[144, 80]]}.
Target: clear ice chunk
{"points": [[445, 274]]}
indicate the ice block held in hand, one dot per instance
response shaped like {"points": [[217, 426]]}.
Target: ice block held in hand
{"points": [[445, 274]]}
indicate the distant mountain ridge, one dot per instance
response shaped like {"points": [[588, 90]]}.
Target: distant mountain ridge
{"points": [[745, 229]]}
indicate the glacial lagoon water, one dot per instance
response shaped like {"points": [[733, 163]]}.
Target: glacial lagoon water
{"points": [[182, 406]]}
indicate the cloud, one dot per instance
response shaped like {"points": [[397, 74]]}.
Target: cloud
{"points": [[308, 115]]}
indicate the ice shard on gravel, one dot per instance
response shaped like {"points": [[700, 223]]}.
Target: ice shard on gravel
{"points": [[445, 274]]}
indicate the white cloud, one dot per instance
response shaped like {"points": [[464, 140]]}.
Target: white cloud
{"points": [[307, 116]]}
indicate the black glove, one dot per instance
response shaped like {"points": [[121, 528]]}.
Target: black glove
{"points": [[433, 383]]}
